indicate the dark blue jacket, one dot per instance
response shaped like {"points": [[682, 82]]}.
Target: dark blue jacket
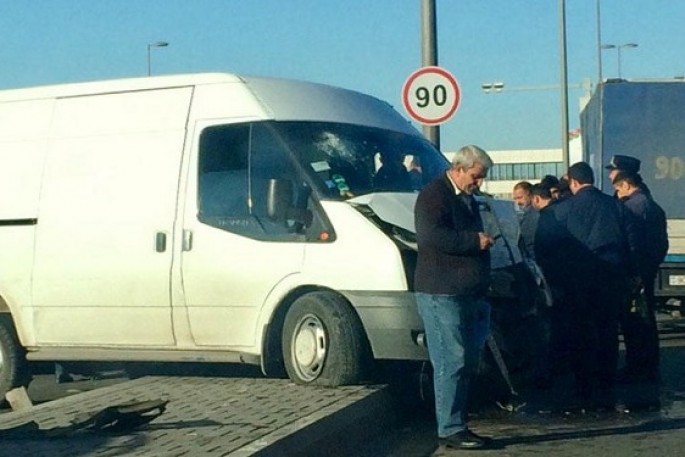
{"points": [[450, 260], [650, 221], [550, 242], [602, 235]]}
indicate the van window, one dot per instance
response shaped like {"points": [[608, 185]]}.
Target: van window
{"points": [[236, 165], [345, 161]]}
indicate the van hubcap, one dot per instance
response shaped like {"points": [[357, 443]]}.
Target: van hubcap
{"points": [[308, 349]]}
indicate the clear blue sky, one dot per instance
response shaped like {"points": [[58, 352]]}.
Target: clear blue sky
{"points": [[367, 45]]}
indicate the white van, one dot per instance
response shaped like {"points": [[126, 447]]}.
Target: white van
{"points": [[207, 217]]}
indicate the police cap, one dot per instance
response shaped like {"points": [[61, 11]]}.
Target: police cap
{"points": [[624, 163]]}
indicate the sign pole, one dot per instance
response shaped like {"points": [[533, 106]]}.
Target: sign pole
{"points": [[429, 56]]}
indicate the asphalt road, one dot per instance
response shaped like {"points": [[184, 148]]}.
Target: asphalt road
{"points": [[542, 425]]}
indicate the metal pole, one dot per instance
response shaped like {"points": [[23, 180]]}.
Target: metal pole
{"points": [[599, 43], [149, 71], [429, 56], [564, 85], [618, 56], [158, 44]]}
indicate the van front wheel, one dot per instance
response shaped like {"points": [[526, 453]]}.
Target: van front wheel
{"points": [[323, 341], [13, 368]]}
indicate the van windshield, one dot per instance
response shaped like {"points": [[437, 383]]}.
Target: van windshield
{"points": [[346, 161]]}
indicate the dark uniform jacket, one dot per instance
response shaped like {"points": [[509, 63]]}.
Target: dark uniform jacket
{"points": [[450, 260], [602, 236], [553, 247], [651, 224]]}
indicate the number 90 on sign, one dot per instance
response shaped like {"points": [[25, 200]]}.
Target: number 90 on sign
{"points": [[431, 95]]}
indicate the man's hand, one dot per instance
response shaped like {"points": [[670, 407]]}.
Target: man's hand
{"points": [[486, 241]]}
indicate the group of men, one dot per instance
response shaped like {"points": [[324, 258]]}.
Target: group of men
{"points": [[598, 253], [600, 256]]}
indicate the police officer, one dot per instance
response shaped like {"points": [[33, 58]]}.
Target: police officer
{"points": [[598, 264], [639, 325], [630, 165]]}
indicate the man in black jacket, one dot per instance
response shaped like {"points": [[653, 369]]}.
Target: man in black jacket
{"points": [[599, 242], [451, 280]]}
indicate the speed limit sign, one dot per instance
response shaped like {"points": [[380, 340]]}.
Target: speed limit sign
{"points": [[431, 95]]}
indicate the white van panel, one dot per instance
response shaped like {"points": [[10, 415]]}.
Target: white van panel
{"points": [[226, 280], [147, 111], [110, 186], [20, 178], [361, 258], [16, 243], [23, 132], [225, 101], [25, 120]]}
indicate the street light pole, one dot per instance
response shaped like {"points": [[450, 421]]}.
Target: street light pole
{"points": [[564, 84], [618, 48], [158, 44], [599, 42]]}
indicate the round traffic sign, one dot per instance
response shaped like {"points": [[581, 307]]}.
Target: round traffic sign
{"points": [[431, 95]]}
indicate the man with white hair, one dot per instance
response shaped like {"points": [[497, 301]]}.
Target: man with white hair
{"points": [[451, 281]]}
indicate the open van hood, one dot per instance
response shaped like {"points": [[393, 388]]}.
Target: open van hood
{"points": [[396, 208], [499, 220]]}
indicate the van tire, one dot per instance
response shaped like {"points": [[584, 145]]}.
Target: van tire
{"points": [[323, 341], [13, 366]]}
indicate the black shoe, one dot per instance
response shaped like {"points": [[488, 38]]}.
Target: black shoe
{"points": [[464, 440]]}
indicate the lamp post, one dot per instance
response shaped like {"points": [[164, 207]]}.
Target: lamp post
{"points": [[599, 40], [585, 85], [488, 87], [500, 86], [563, 83], [157, 44], [618, 48]]}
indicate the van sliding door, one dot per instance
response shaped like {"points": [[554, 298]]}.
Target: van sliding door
{"points": [[105, 226]]}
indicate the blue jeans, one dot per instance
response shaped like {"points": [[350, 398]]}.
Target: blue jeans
{"points": [[456, 330]]}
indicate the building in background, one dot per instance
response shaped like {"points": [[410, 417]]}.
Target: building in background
{"points": [[514, 165]]}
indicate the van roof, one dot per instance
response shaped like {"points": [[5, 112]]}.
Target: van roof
{"points": [[283, 99], [116, 85]]}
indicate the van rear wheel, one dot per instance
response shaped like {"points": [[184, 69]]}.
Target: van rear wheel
{"points": [[323, 341], [13, 367]]}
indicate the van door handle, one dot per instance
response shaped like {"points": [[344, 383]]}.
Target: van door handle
{"points": [[160, 242], [187, 240]]}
